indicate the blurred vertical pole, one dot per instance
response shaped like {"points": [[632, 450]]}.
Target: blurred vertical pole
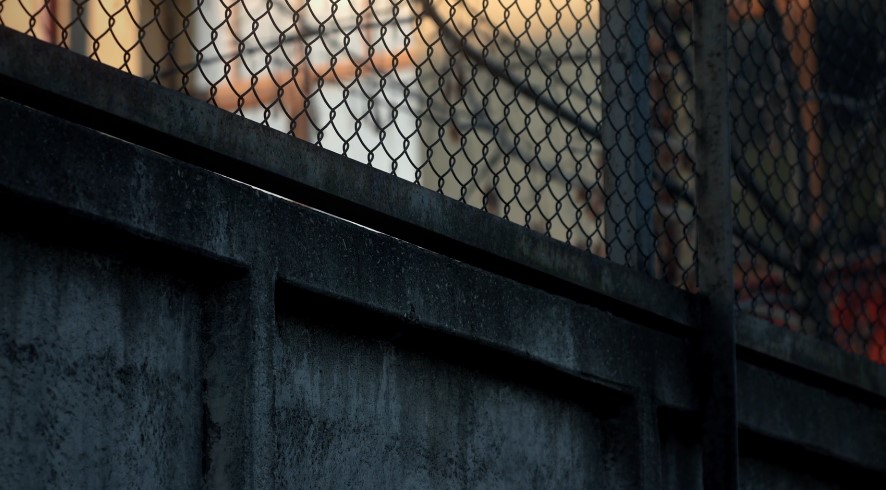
{"points": [[715, 250], [49, 23], [624, 82], [78, 35]]}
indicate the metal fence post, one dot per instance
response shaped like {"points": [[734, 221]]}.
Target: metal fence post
{"points": [[625, 132], [715, 250]]}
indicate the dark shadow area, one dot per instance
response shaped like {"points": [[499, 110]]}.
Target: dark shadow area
{"points": [[770, 463]]}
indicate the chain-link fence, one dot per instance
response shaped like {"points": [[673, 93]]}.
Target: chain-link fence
{"points": [[809, 157], [573, 118], [569, 117]]}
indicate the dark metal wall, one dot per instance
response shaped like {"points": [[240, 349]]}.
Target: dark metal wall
{"points": [[188, 299]]}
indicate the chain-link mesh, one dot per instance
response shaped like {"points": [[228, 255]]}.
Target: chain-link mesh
{"points": [[572, 118], [567, 116], [809, 80]]}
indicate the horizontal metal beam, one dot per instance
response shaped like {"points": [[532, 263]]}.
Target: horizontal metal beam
{"points": [[112, 185]]}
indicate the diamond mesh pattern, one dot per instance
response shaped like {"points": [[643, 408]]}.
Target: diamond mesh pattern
{"points": [[809, 154], [569, 117]]}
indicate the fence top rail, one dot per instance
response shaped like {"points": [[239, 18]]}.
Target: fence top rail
{"points": [[757, 339]]}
